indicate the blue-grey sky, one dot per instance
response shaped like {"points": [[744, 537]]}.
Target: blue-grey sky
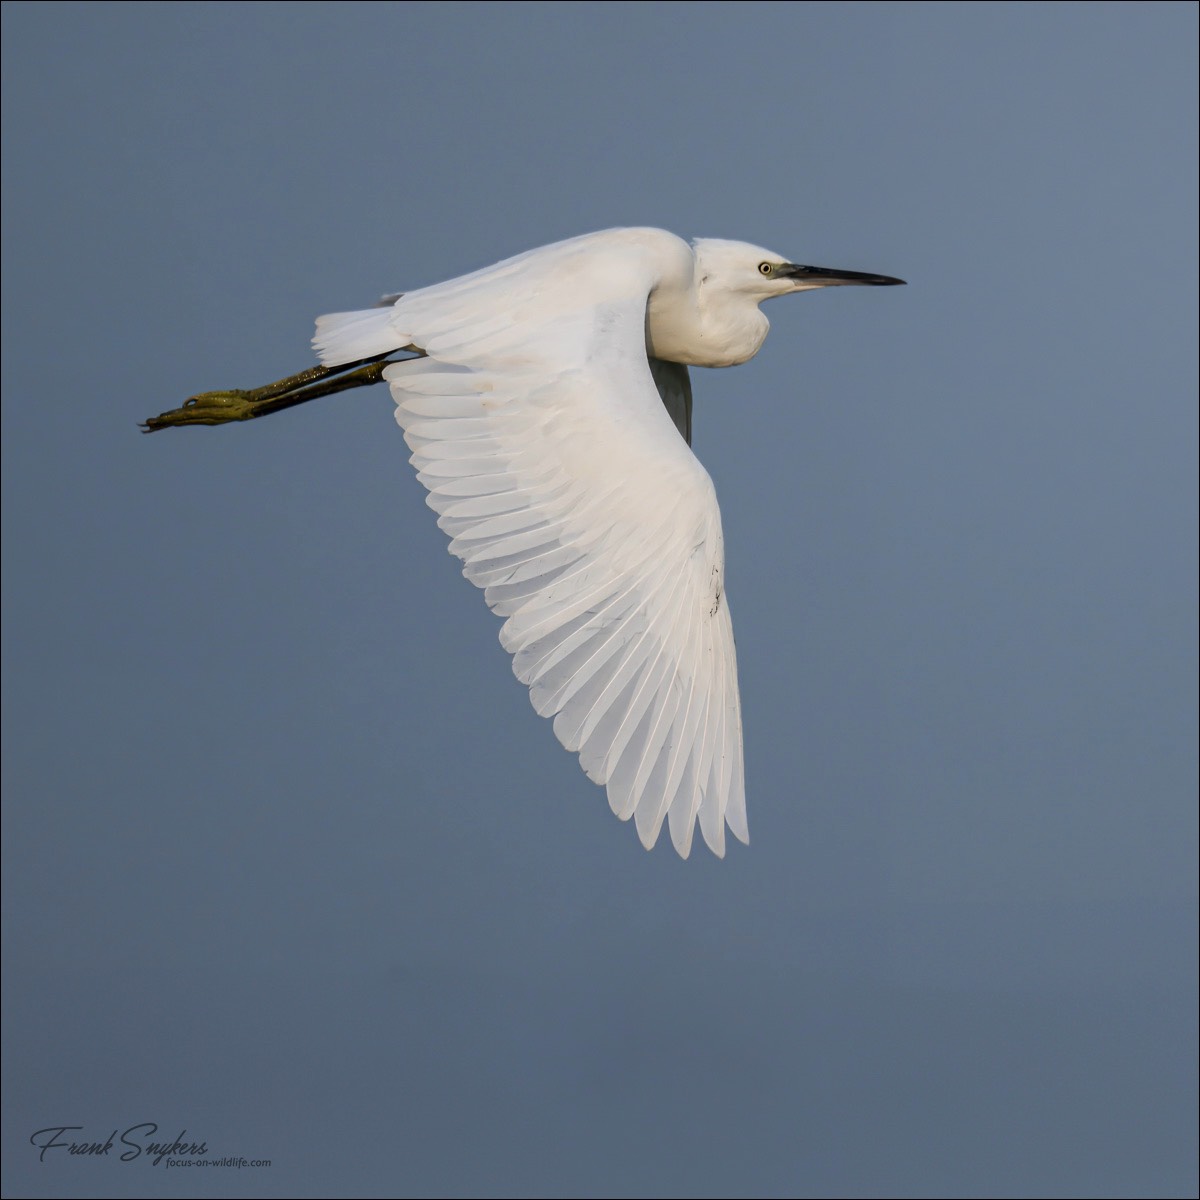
{"points": [[291, 863]]}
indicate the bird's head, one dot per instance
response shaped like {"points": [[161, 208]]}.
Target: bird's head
{"points": [[761, 274]]}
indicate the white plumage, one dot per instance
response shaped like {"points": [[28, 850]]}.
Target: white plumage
{"points": [[544, 413]]}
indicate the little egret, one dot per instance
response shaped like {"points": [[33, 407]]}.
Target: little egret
{"points": [[547, 404]]}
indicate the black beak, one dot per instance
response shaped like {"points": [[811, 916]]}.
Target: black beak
{"points": [[828, 277]]}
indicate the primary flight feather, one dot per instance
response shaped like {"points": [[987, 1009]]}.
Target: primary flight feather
{"points": [[548, 409]]}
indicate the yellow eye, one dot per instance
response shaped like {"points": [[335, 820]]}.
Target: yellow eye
{"points": [[765, 268]]}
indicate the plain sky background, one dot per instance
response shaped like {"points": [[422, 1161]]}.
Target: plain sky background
{"points": [[291, 862]]}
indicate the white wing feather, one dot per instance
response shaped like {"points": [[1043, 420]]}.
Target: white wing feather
{"points": [[535, 423]]}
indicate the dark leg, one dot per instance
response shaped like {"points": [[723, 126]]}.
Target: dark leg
{"points": [[218, 408]]}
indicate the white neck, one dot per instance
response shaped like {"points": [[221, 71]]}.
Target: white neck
{"points": [[703, 329]]}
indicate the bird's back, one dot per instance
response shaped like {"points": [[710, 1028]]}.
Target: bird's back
{"points": [[520, 293]]}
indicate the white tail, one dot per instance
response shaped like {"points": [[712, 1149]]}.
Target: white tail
{"points": [[348, 336]]}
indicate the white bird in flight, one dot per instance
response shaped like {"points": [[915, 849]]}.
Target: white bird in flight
{"points": [[547, 404]]}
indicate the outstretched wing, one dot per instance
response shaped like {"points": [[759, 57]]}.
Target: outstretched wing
{"points": [[536, 424]]}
